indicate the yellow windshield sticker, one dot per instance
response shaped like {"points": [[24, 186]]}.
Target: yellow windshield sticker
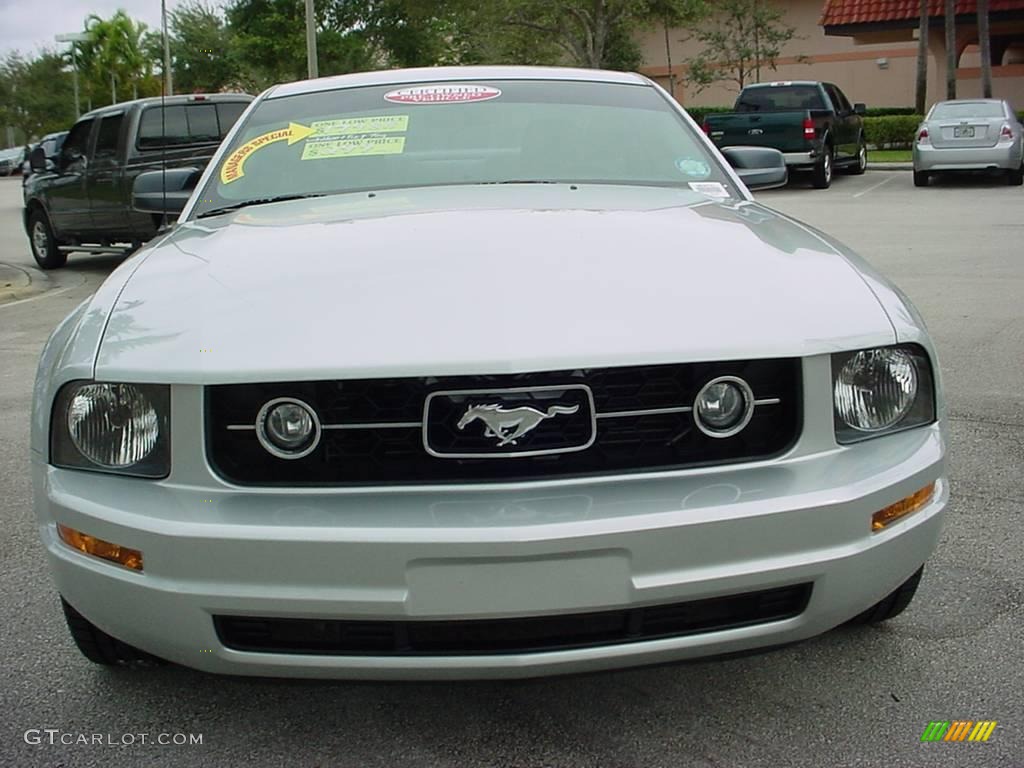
{"points": [[355, 125], [356, 146], [234, 167]]}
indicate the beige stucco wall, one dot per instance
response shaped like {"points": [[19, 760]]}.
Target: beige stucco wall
{"points": [[879, 71]]}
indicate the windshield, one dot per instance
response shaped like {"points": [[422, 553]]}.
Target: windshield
{"points": [[956, 110], [780, 98], [431, 134]]}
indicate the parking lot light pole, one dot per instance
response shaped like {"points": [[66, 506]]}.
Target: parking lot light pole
{"points": [[311, 63], [73, 37]]}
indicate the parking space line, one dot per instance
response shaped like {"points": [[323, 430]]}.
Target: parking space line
{"points": [[873, 187]]}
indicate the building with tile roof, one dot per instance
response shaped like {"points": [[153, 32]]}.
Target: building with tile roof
{"points": [[867, 47]]}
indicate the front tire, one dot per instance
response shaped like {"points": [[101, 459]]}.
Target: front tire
{"points": [[921, 178], [44, 243], [893, 604], [99, 647], [821, 177], [861, 165]]}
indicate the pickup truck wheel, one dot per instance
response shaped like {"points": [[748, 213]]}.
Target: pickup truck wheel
{"points": [[44, 244], [921, 178], [861, 164], [821, 177], [99, 647], [891, 605]]}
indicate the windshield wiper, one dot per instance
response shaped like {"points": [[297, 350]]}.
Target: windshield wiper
{"points": [[255, 201]]}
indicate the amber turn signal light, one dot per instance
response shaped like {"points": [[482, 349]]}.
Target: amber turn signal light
{"points": [[114, 553], [902, 508]]}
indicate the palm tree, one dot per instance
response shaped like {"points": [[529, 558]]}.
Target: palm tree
{"points": [[985, 43], [921, 92], [114, 53], [951, 57]]}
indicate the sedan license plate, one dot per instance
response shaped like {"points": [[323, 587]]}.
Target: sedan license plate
{"points": [[964, 132]]}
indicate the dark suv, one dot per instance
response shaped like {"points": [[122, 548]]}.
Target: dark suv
{"points": [[82, 200]]}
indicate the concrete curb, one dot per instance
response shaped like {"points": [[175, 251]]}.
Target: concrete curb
{"points": [[17, 283], [890, 166]]}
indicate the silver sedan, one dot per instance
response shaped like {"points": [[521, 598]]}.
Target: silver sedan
{"points": [[969, 135]]}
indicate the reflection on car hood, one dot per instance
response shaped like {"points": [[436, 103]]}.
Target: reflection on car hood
{"points": [[482, 280]]}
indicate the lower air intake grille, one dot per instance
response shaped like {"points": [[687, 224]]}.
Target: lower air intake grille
{"points": [[531, 634]]}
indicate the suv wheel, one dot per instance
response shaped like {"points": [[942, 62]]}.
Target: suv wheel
{"points": [[44, 244], [99, 647], [891, 605], [821, 177]]}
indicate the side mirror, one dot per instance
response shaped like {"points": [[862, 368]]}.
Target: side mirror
{"points": [[164, 192], [37, 161], [860, 109], [758, 167]]}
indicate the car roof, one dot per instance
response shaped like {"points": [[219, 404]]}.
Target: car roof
{"points": [[437, 74], [777, 83], [969, 101], [184, 98]]}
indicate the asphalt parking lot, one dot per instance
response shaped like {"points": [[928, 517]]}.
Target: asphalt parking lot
{"points": [[853, 697]]}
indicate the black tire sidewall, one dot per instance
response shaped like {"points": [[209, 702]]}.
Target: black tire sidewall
{"points": [[53, 258]]}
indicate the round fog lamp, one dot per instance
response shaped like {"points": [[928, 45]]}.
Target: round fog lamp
{"points": [[723, 406], [288, 428], [875, 389]]}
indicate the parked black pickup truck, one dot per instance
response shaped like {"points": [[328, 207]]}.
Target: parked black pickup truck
{"points": [[81, 201], [813, 124]]}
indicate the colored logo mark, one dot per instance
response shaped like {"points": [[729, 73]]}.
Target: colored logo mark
{"points": [[958, 730]]}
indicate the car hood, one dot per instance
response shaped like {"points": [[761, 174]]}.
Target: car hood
{"points": [[482, 280]]}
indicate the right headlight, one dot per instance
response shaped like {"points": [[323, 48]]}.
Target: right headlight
{"points": [[880, 391], [110, 427]]}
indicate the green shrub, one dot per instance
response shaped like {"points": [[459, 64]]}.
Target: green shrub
{"points": [[699, 113], [886, 111], [892, 131]]}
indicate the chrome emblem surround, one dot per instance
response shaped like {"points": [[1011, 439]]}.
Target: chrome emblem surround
{"points": [[508, 424]]}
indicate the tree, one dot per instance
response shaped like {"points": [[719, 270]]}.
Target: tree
{"points": [[740, 38], [921, 90], [36, 94], [985, 43], [203, 55], [113, 60], [594, 33], [949, 17]]}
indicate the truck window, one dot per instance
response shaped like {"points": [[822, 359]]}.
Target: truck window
{"points": [[185, 124], [780, 98], [107, 137], [228, 113], [76, 144]]}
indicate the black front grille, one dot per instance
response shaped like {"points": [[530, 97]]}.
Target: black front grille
{"points": [[530, 634], [622, 443]]}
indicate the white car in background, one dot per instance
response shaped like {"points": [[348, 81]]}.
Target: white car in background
{"points": [[970, 135], [481, 372]]}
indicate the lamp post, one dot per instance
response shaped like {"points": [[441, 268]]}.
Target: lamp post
{"points": [[311, 63], [168, 82], [73, 37]]}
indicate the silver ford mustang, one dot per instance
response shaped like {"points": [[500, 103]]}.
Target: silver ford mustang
{"points": [[492, 372]]}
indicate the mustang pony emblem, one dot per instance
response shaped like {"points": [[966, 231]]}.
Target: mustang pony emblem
{"points": [[508, 425]]}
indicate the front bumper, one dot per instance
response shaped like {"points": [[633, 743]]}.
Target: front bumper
{"points": [[1004, 156], [473, 553]]}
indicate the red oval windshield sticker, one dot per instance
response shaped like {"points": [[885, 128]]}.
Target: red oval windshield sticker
{"points": [[449, 93]]}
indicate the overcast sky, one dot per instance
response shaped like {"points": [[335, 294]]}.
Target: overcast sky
{"points": [[28, 25]]}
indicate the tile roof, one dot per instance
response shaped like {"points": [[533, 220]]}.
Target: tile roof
{"points": [[843, 12]]}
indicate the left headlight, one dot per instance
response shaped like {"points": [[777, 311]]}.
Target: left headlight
{"points": [[881, 391], [108, 427]]}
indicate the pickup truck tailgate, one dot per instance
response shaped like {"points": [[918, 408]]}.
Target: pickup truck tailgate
{"points": [[782, 130]]}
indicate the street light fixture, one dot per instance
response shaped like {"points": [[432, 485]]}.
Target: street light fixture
{"points": [[73, 37]]}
